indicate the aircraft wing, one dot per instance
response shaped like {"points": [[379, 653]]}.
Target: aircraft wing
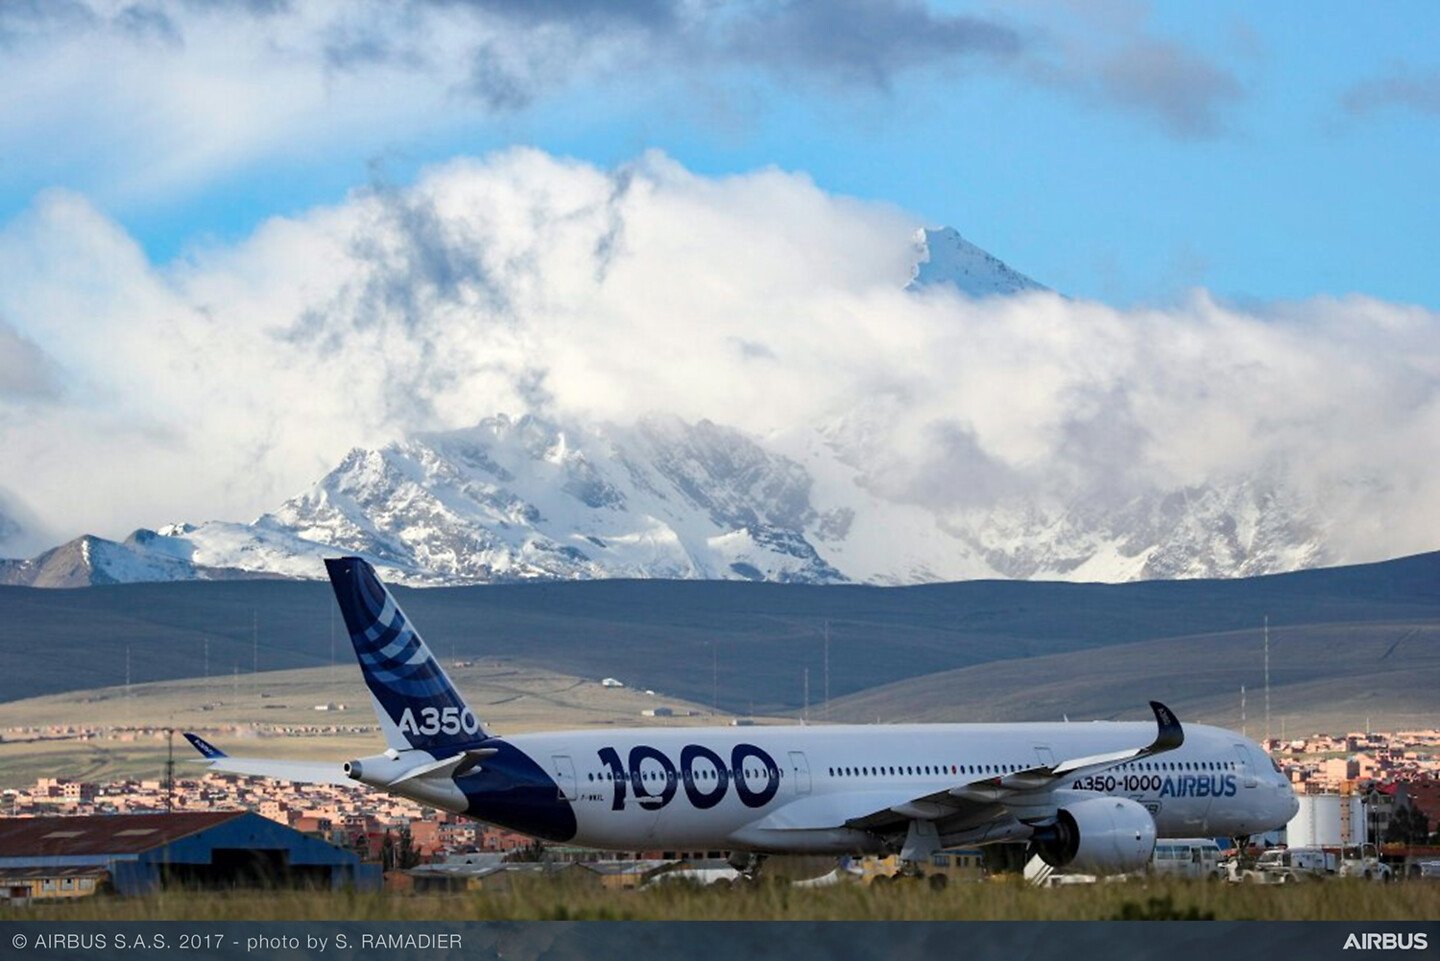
{"points": [[305, 772], [1024, 794]]}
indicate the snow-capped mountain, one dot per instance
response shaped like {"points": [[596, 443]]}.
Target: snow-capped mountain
{"points": [[944, 257], [506, 500], [528, 497], [1242, 529], [90, 560]]}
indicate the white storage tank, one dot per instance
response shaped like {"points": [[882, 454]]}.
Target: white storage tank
{"points": [[1327, 821]]}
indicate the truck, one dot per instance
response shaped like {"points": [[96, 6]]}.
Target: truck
{"points": [[1288, 866]]}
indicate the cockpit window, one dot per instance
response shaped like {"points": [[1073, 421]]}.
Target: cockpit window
{"points": [[1276, 766]]}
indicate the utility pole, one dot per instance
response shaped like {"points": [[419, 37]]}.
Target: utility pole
{"points": [[827, 670], [805, 717], [1267, 682], [169, 769]]}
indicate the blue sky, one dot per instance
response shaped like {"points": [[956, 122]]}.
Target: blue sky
{"points": [[239, 238], [1120, 151]]}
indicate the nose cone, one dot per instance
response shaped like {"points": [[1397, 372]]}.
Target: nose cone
{"points": [[1289, 805]]}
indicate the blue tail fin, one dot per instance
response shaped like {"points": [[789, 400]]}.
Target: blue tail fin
{"points": [[417, 705]]}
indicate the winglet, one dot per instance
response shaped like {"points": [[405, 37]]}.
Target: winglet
{"points": [[203, 746], [1168, 736], [1171, 735]]}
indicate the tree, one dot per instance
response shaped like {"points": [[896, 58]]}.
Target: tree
{"points": [[1408, 825], [534, 851], [398, 854]]}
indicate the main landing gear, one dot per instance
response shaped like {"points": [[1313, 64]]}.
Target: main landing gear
{"points": [[748, 863], [911, 873]]}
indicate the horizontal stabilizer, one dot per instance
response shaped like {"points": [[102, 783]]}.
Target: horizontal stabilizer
{"points": [[303, 772], [203, 746]]}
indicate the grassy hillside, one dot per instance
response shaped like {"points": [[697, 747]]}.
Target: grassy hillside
{"points": [[510, 698], [1323, 677], [751, 643]]}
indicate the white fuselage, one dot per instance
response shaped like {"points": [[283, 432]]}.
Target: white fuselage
{"points": [[792, 789]]}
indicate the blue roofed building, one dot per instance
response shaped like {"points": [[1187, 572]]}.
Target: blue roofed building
{"points": [[130, 854]]}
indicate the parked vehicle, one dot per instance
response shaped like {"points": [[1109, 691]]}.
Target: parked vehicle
{"points": [[1287, 866], [1363, 862], [1197, 858]]}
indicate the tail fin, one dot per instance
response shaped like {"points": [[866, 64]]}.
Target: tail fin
{"points": [[417, 705]]}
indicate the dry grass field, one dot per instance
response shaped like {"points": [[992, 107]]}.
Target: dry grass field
{"points": [[1338, 900], [242, 715]]}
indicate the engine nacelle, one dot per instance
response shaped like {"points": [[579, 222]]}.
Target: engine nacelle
{"points": [[1102, 835]]}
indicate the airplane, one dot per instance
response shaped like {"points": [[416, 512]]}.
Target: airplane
{"points": [[1090, 797]]}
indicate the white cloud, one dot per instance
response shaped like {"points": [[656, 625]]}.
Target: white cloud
{"points": [[223, 384], [178, 96]]}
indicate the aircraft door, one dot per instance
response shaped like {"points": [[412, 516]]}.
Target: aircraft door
{"points": [[1044, 755], [1247, 765], [563, 770], [800, 772]]}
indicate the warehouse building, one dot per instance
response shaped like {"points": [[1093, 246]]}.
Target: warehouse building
{"points": [[61, 857]]}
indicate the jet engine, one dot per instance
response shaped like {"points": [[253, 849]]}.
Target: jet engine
{"points": [[1100, 835]]}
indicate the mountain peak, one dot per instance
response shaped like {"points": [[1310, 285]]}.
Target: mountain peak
{"points": [[945, 257]]}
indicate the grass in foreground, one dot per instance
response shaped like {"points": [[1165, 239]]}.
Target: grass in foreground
{"points": [[1336, 900]]}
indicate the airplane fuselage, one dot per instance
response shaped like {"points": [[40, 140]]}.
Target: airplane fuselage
{"points": [[756, 788]]}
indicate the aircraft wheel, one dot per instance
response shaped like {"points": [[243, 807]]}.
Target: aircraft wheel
{"points": [[882, 881], [938, 882]]}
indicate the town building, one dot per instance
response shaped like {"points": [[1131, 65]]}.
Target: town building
{"points": [[131, 854]]}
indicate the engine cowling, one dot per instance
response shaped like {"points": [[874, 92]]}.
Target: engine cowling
{"points": [[1102, 835]]}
